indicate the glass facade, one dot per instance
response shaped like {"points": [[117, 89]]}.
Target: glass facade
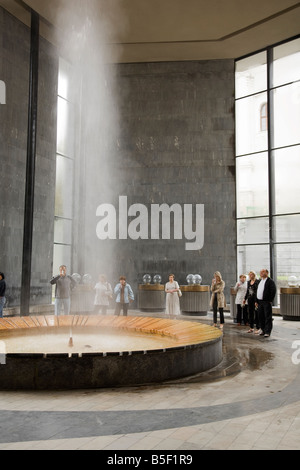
{"points": [[65, 153], [268, 161]]}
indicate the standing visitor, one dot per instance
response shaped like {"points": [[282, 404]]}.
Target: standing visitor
{"points": [[218, 300], [2, 293], [250, 297], [124, 295], [266, 292], [63, 286], [103, 294], [172, 301], [241, 290]]}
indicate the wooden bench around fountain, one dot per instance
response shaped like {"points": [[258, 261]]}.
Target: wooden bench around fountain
{"points": [[166, 349]]}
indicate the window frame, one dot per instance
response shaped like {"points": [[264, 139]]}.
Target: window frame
{"points": [[269, 117]]}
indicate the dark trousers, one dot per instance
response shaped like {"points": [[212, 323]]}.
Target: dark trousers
{"points": [[265, 316], [253, 313], [215, 311], [119, 307], [242, 313]]}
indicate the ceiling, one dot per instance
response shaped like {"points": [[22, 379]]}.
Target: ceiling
{"points": [[166, 30]]}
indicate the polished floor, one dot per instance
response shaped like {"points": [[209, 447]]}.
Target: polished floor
{"points": [[250, 401]]}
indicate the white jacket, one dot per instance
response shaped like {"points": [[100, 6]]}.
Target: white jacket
{"points": [[240, 289]]}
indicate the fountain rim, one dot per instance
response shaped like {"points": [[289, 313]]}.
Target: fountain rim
{"points": [[186, 333]]}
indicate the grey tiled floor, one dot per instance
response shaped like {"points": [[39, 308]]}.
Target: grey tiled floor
{"points": [[250, 401]]}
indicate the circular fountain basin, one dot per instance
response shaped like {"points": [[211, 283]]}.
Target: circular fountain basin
{"points": [[93, 351]]}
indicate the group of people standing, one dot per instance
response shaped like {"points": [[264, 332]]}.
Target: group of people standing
{"points": [[103, 293], [254, 297], [254, 300]]}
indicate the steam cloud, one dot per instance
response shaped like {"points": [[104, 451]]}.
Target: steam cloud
{"points": [[85, 29]]}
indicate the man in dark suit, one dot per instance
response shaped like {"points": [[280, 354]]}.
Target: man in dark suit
{"points": [[266, 292]]}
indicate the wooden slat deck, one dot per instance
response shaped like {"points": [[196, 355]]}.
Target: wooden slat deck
{"points": [[183, 332]]}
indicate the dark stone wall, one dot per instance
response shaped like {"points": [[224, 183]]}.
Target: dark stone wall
{"points": [[169, 139], [174, 144], [14, 71]]}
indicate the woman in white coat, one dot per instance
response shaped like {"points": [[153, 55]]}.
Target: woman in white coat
{"points": [[172, 301], [241, 290], [103, 295]]}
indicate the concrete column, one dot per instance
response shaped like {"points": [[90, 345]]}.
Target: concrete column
{"points": [[30, 165]]}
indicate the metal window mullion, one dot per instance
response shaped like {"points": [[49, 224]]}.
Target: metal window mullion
{"points": [[271, 170]]}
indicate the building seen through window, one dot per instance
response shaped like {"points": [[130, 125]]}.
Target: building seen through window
{"points": [[65, 154], [268, 161], [264, 117]]}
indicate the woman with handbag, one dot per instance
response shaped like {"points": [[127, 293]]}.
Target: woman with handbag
{"points": [[172, 301], [218, 300]]}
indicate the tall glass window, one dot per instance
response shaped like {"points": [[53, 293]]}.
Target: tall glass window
{"points": [[268, 161], [65, 152]]}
